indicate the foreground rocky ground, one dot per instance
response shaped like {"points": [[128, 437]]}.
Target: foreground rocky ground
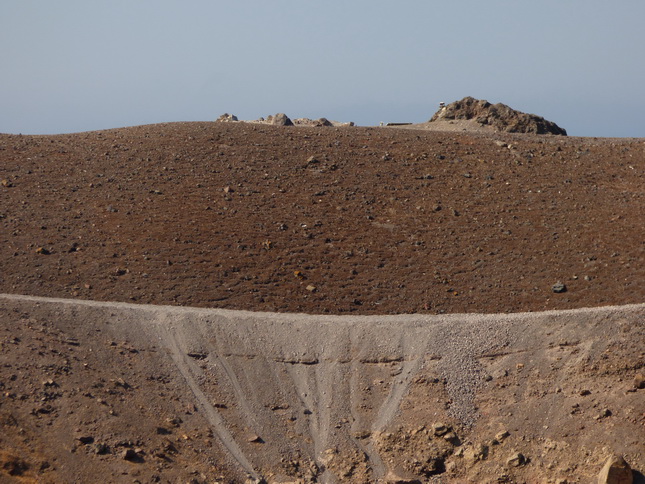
{"points": [[327, 221], [115, 392]]}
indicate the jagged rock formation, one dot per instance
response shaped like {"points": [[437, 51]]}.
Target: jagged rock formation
{"points": [[227, 118], [499, 116], [279, 119], [312, 122]]}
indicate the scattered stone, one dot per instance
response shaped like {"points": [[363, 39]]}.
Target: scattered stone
{"points": [[198, 355], [476, 453], [516, 460], [399, 476], [502, 436], [500, 373], [605, 412], [174, 421], [120, 382], [440, 429], [311, 288], [86, 439], [452, 438], [616, 471], [639, 381], [101, 448], [255, 439], [42, 251], [559, 287], [320, 122]]}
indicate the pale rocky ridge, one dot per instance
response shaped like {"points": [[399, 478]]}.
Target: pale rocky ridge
{"points": [[467, 114], [281, 119]]}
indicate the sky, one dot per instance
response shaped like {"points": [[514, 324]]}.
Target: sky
{"points": [[79, 65]]}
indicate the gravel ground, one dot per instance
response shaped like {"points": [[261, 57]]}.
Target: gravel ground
{"points": [[319, 392], [324, 220]]}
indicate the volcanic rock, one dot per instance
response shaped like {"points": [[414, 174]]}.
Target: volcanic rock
{"points": [[312, 122], [279, 119], [559, 287], [516, 460], [227, 118], [499, 116]]}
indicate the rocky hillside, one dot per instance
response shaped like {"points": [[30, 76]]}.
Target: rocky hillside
{"points": [[324, 219], [499, 116]]}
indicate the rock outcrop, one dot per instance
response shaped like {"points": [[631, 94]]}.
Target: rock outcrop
{"points": [[279, 119], [312, 122], [499, 116], [616, 471], [227, 118]]}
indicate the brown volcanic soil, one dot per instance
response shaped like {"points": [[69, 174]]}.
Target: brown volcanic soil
{"points": [[370, 221], [323, 220]]}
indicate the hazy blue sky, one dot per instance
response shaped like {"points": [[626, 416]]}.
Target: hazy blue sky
{"points": [[78, 65]]}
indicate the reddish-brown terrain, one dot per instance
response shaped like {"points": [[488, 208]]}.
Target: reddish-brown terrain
{"points": [[323, 220], [386, 237]]}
